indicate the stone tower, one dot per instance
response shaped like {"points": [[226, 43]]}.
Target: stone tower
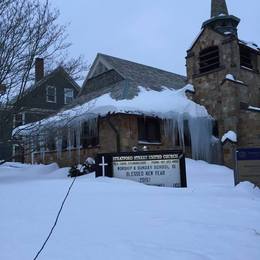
{"points": [[225, 73], [218, 7]]}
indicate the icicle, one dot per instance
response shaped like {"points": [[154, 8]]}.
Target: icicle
{"points": [[31, 145], [69, 143], [199, 129], [201, 132], [42, 147], [58, 144], [170, 129], [180, 126], [78, 137]]}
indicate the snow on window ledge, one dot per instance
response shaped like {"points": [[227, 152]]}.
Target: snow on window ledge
{"points": [[229, 136], [254, 108], [232, 78]]}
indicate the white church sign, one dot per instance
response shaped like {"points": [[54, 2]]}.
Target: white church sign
{"points": [[165, 169]]}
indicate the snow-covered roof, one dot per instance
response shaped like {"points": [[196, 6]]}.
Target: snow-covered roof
{"points": [[250, 45], [167, 103]]}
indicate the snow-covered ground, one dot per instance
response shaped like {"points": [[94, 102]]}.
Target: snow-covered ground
{"points": [[116, 219]]}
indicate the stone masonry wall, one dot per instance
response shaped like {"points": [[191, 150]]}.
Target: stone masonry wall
{"points": [[222, 97]]}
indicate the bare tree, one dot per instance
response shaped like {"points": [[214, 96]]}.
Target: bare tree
{"points": [[29, 29]]}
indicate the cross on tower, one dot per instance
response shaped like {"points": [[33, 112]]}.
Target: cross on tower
{"points": [[103, 165]]}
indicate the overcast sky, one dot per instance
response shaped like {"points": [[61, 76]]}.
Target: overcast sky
{"points": [[155, 33]]}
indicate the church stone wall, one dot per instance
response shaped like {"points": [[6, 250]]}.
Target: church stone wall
{"points": [[252, 80], [223, 97], [249, 129]]}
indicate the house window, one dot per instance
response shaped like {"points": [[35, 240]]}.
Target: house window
{"points": [[68, 95], [51, 94], [149, 130], [209, 59], [18, 119], [248, 58], [89, 136]]}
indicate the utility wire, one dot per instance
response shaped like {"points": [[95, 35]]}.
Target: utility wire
{"points": [[56, 220]]}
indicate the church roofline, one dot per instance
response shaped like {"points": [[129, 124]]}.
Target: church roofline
{"points": [[136, 72], [201, 33]]}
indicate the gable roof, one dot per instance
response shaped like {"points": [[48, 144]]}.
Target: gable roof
{"points": [[59, 69], [197, 38], [50, 75], [138, 74]]}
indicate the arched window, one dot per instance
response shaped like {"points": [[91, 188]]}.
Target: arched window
{"points": [[209, 59]]}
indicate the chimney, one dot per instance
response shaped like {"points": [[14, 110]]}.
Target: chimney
{"points": [[2, 89], [39, 69]]}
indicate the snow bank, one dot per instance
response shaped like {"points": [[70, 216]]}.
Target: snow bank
{"points": [[117, 219]]}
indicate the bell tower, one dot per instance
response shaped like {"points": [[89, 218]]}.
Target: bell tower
{"points": [[225, 73], [220, 19]]}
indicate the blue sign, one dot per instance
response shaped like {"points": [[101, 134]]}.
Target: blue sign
{"points": [[248, 154]]}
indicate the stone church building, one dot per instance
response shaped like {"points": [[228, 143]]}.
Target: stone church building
{"points": [[106, 116], [225, 73]]}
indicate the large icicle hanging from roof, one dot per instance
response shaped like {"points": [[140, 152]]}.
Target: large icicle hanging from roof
{"points": [[201, 138], [200, 130], [78, 137]]}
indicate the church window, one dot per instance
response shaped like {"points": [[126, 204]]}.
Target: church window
{"points": [[248, 58], [51, 145], [51, 94], [209, 59], [68, 95], [149, 130], [89, 136]]}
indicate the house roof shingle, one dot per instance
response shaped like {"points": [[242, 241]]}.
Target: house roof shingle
{"points": [[143, 75]]}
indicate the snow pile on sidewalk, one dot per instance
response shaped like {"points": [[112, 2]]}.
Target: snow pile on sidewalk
{"points": [[116, 219]]}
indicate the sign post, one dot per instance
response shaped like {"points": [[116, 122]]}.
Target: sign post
{"points": [[248, 165], [163, 168]]}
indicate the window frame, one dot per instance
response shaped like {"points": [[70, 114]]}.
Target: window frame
{"points": [[143, 125], [66, 91], [209, 59], [47, 94], [18, 119], [248, 58], [87, 140]]}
